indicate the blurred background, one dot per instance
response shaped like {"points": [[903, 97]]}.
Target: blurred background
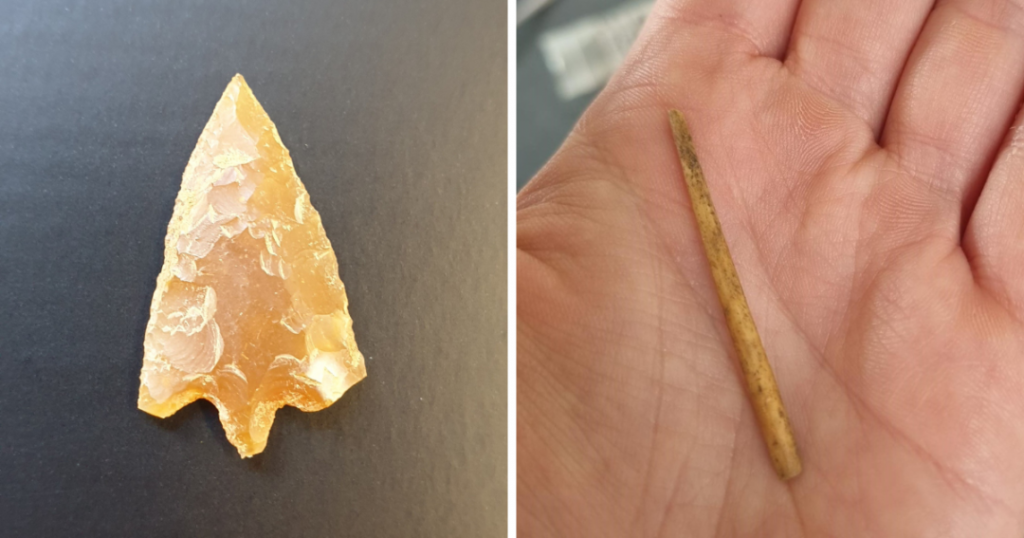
{"points": [[566, 51]]}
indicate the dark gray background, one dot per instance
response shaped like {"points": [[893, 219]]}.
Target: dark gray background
{"points": [[543, 120], [395, 115]]}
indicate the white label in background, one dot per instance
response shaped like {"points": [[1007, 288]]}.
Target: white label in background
{"points": [[583, 55]]}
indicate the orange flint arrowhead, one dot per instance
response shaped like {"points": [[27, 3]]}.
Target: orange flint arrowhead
{"points": [[248, 312]]}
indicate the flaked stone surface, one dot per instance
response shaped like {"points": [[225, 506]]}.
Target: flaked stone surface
{"points": [[248, 312]]}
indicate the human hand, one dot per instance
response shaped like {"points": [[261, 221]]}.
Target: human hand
{"points": [[871, 188]]}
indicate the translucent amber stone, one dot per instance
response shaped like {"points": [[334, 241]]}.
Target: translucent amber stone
{"points": [[248, 312]]}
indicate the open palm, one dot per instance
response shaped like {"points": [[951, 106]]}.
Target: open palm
{"points": [[868, 170]]}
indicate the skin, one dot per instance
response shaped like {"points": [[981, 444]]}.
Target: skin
{"points": [[866, 159]]}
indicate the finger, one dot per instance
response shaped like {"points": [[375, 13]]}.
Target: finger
{"points": [[993, 238], [956, 99], [757, 27], [854, 51], [689, 54]]}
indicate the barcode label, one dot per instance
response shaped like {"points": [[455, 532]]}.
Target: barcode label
{"points": [[583, 55]]}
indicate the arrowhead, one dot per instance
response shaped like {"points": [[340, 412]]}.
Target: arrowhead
{"points": [[248, 312]]}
